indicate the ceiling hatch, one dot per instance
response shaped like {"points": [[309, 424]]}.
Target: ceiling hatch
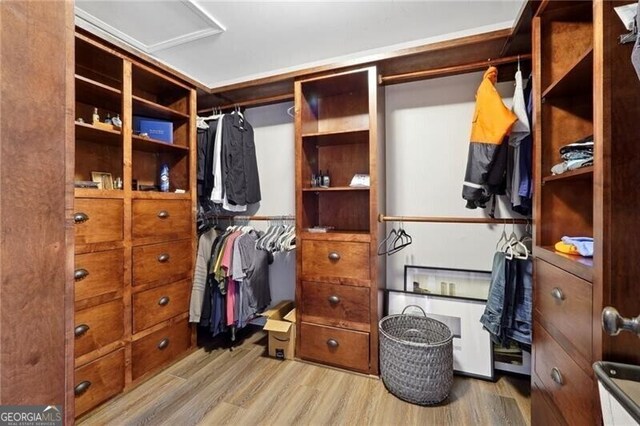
{"points": [[149, 26]]}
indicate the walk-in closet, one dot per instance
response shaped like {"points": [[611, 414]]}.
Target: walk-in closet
{"points": [[301, 213]]}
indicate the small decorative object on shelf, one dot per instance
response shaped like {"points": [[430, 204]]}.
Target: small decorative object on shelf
{"points": [[326, 181], [79, 120], [116, 121], [103, 179], [86, 184], [117, 184], [108, 119], [360, 181]]}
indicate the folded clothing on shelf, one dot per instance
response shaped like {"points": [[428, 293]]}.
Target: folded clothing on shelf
{"points": [[575, 155], [582, 246], [569, 165]]}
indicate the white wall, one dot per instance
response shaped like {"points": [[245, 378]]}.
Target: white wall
{"points": [[427, 137], [428, 124], [275, 152]]}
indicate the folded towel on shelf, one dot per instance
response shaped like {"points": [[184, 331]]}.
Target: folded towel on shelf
{"points": [[584, 245]]}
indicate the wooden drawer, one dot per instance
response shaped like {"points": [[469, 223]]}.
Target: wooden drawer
{"points": [[159, 304], [159, 347], [337, 259], [328, 345], [164, 262], [564, 302], [98, 381], [99, 220], [543, 412], [166, 219], [98, 326], [99, 274], [574, 396], [335, 304]]}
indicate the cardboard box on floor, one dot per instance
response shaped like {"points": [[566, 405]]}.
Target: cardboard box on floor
{"points": [[281, 325]]}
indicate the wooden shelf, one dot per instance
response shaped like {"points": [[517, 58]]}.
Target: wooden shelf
{"points": [[87, 132], [578, 174], [337, 138], [334, 133], [98, 193], [93, 93], [337, 235], [156, 195], [334, 189], [578, 79], [154, 145], [577, 265], [147, 108]]}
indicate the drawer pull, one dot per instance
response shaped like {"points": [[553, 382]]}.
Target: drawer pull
{"points": [[164, 344], [80, 274], [334, 256], [333, 343], [556, 376], [164, 301], [80, 217], [163, 214], [334, 300], [82, 387], [80, 330], [163, 258], [557, 294]]}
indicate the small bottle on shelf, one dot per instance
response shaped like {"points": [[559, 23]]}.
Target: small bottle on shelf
{"points": [[107, 120], [96, 117], [116, 121], [164, 177], [326, 181]]}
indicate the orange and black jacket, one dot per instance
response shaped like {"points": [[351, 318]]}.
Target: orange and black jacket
{"points": [[492, 122]]}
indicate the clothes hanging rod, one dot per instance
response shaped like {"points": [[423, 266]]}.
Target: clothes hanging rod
{"points": [[285, 217], [251, 103], [445, 219], [447, 71]]}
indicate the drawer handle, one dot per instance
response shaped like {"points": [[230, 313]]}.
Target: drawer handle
{"points": [[556, 376], [163, 214], [334, 256], [80, 330], [82, 387], [334, 300], [163, 258], [80, 217], [80, 274], [333, 343], [164, 301], [164, 344], [557, 294]]}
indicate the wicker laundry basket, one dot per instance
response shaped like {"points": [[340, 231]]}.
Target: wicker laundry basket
{"points": [[416, 357]]}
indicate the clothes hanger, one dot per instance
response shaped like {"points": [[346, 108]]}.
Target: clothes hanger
{"points": [[503, 238], [401, 241], [382, 247]]}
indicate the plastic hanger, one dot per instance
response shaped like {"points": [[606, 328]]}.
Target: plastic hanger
{"points": [[382, 247], [401, 241], [503, 238]]}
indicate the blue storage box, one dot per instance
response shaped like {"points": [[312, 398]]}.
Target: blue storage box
{"points": [[161, 130]]}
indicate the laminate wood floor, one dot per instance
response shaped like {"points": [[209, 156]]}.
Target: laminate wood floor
{"points": [[246, 387]]}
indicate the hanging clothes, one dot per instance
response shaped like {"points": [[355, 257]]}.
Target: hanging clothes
{"points": [[492, 122], [507, 315], [526, 158], [519, 132]]}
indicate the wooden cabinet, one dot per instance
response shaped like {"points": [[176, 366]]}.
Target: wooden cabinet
{"points": [[584, 84], [339, 118], [134, 247]]}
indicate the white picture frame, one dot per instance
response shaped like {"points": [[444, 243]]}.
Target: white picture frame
{"points": [[472, 346]]}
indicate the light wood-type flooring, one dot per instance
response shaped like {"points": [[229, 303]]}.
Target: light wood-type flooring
{"points": [[246, 387]]}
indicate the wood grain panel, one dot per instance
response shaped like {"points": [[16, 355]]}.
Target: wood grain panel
{"points": [[148, 223], [353, 261], [335, 305], [150, 266], [571, 316], [104, 324], [150, 353], [104, 223], [159, 304], [352, 350], [104, 277], [345, 211], [574, 396], [105, 377], [546, 412], [36, 145], [344, 161]]}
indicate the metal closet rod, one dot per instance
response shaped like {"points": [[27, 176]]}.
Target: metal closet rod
{"points": [[445, 219], [452, 70], [286, 217]]}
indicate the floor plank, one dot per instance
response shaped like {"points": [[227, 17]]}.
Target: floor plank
{"points": [[244, 386]]}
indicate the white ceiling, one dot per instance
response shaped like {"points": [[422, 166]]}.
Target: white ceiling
{"points": [[223, 42]]}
